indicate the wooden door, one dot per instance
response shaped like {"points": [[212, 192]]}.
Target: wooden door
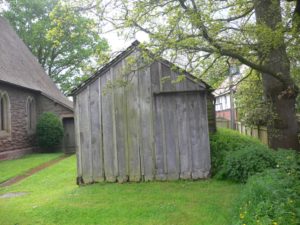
{"points": [[69, 135], [181, 138]]}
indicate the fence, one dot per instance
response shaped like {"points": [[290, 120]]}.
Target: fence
{"points": [[257, 132]]}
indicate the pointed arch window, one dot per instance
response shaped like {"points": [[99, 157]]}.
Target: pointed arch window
{"points": [[4, 113], [31, 114]]}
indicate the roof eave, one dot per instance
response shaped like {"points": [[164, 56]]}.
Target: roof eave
{"points": [[105, 68]]}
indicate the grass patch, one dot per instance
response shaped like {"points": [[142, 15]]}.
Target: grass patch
{"points": [[13, 168], [54, 198]]}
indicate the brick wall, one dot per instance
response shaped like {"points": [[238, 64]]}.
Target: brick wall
{"points": [[226, 114], [223, 114]]}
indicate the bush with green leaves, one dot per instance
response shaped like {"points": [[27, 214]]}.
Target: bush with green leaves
{"points": [[269, 198], [225, 141], [49, 130], [288, 161], [242, 164]]}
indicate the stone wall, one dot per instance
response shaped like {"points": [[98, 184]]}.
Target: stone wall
{"points": [[18, 141], [47, 105]]}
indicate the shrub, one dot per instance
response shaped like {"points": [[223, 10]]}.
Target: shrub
{"points": [[269, 198], [288, 161], [241, 164], [224, 141], [49, 130]]}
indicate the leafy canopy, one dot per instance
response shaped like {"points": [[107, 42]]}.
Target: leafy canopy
{"points": [[203, 34], [65, 41]]}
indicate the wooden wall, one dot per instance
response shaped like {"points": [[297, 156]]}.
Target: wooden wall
{"points": [[143, 131]]}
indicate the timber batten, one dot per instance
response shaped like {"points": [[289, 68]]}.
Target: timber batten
{"points": [[142, 131]]}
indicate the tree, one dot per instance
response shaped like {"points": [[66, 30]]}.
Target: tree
{"points": [[66, 43], [251, 106], [261, 34]]}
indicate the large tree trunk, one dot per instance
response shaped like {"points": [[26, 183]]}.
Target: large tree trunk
{"points": [[281, 93]]}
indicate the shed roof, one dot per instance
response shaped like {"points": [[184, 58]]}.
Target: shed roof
{"points": [[121, 56], [19, 67]]}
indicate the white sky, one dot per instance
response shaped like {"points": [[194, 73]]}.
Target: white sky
{"points": [[119, 43]]}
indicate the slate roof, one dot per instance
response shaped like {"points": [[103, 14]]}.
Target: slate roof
{"points": [[19, 67]]}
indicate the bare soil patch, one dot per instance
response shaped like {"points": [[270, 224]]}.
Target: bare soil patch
{"points": [[32, 171], [12, 194]]}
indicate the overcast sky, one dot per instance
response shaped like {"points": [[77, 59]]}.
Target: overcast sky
{"points": [[118, 43]]}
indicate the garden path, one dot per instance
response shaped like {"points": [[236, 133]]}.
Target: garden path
{"points": [[32, 171]]}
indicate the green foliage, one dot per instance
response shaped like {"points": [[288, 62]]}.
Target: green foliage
{"points": [[66, 42], [288, 161], [49, 130], [269, 198], [253, 110], [213, 72], [206, 33], [244, 163], [271, 194], [226, 141]]}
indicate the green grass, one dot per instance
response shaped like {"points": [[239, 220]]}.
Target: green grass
{"points": [[54, 198], [12, 168]]}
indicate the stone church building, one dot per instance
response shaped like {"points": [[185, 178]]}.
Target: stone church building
{"points": [[26, 91]]}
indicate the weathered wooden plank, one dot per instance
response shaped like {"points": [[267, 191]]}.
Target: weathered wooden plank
{"points": [[178, 86], [197, 138], [155, 77], [160, 156], [96, 135], [166, 79], [120, 124], [77, 139], [204, 154], [100, 111], [133, 120], [187, 84], [171, 144], [107, 124], [183, 136], [194, 127], [191, 85], [160, 153], [146, 125], [85, 137]]}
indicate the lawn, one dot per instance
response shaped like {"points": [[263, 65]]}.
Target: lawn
{"points": [[54, 198], [12, 168]]}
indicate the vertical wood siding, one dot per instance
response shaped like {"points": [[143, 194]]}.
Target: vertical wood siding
{"points": [[143, 131]]}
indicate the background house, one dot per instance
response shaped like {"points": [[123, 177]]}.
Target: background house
{"points": [[26, 91], [149, 128], [225, 108]]}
